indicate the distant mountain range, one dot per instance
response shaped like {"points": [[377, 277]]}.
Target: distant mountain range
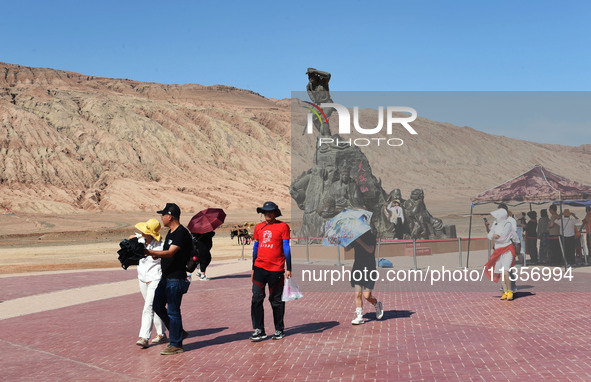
{"points": [[74, 142]]}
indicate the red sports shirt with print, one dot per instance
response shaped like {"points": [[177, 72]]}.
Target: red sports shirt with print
{"points": [[270, 255]]}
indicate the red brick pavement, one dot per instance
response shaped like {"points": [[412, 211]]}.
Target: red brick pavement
{"points": [[13, 287], [425, 335]]}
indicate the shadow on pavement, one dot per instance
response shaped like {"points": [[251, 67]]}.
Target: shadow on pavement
{"points": [[517, 295], [240, 276], [240, 336], [205, 332], [313, 327], [389, 314]]}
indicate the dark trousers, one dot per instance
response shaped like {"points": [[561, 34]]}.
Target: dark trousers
{"points": [[275, 280], [544, 252], [204, 260], [167, 305], [570, 245], [532, 248], [398, 232], [555, 251]]}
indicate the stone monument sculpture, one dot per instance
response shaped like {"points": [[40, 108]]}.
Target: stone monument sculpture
{"points": [[421, 223], [341, 177]]}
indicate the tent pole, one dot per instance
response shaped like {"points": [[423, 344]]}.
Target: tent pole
{"points": [[469, 235], [561, 237]]}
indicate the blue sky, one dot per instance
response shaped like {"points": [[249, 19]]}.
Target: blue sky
{"points": [[267, 46]]}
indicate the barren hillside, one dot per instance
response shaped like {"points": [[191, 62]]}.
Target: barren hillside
{"points": [[72, 142]]}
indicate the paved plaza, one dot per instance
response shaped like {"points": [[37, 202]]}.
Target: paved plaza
{"points": [[82, 326]]}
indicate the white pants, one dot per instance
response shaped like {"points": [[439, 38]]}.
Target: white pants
{"points": [[504, 262], [148, 316]]}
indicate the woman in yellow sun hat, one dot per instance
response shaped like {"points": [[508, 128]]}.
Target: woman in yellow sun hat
{"points": [[149, 273]]}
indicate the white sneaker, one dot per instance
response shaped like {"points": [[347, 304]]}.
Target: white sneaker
{"points": [[159, 339], [379, 310], [203, 277], [142, 342], [358, 320]]}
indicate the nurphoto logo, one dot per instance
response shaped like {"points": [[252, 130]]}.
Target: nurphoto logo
{"points": [[344, 124]]}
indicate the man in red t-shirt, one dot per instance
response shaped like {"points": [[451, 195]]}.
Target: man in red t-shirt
{"points": [[271, 254]]}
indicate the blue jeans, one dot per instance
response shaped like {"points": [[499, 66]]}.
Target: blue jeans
{"points": [[167, 305]]}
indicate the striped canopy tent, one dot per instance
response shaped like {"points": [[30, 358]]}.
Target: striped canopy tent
{"points": [[536, 186]]}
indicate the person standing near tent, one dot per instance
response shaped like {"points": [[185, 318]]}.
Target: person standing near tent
{"points": [[587, 222], [503, 257], [567, 229], [543, 253], [522, 221], [531, 236], [553, 236], [518, 226]]}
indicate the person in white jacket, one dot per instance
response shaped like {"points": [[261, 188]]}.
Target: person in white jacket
{"points": [[503, 257], [149, 273]]}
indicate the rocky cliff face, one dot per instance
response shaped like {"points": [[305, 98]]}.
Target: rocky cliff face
{"points": [[71, 142]]}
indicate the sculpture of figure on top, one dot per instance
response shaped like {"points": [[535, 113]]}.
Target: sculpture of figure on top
{"points": [[319, 93]]}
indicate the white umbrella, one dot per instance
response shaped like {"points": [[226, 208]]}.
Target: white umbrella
{"points": [[345, 227]]}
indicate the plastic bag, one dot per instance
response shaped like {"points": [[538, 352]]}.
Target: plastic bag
{"points": [[291, 291]]}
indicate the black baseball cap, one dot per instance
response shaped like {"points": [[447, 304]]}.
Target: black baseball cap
{"points": [[268, 207], [171, 209]]}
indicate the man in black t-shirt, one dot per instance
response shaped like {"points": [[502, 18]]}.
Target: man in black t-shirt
{"points": [[178, 245]]}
